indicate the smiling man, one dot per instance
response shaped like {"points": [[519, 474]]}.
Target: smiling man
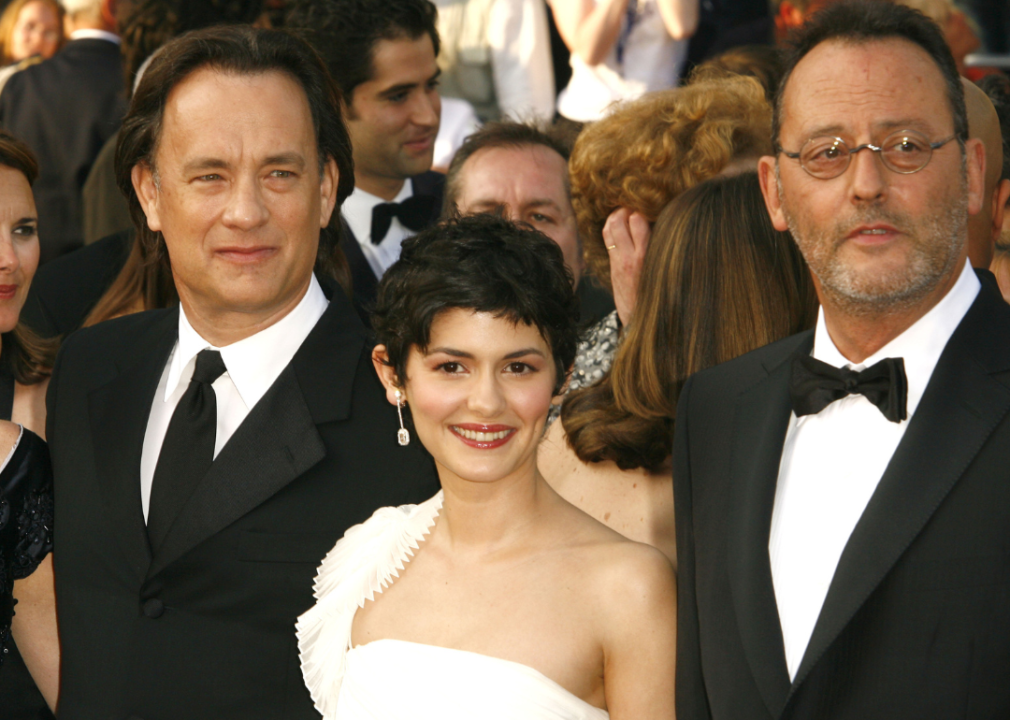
{"points": [[843, 496], [382, 54], [207, 456]]}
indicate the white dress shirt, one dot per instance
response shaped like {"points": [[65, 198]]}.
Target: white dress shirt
{"points": [[357, 211], [252, 365], [833, 461], [94, 34]]}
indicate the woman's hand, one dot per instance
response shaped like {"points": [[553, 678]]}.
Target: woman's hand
{"points": [[626, 235], [34, 629]]}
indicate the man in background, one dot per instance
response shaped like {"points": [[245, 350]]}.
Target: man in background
{"points": [[382, 54]]}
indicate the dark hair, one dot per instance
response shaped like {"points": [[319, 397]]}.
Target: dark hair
{"points": [[861, 21], [997, 88], [345, 32], [482, 263], [501, 134], [764, 63], [152, 23], [28, 356], [239, 50], [718, 281]]}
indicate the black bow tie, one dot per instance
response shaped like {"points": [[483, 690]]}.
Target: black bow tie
{"points": [[414, 213], [815, 385]]}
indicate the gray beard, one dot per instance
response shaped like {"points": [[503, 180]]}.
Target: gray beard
{"points": [[938, 242]]}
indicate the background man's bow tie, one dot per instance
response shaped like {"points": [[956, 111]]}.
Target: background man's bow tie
{"points": [[414, 213], [815, 385]]}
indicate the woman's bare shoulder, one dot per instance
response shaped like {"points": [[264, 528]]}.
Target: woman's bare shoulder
{"points": [[9, 434]]}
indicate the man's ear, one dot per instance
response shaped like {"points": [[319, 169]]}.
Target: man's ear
{"points": [[328, 191], [770, 190], [975, 157], [1000, 197], [386, 373], [146, 187]]}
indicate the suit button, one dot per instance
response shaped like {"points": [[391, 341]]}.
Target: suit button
{"points": [[154, 608]]}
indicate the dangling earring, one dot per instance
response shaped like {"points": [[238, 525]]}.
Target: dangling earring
{"points": [[403, 435]]}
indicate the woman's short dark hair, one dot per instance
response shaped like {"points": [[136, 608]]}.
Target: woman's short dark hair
{"points": [[861, 21], [239, 50], [481, 263]]}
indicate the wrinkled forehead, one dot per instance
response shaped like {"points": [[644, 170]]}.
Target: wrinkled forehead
{"points": [[862, 88], [511, 172]]}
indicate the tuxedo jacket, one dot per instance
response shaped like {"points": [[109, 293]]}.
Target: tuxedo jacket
{"points": [[363, 280], [65, 108], [916, 622], [204, 626]]}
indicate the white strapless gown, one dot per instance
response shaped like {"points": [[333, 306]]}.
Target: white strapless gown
{"points": [[395, 679]]}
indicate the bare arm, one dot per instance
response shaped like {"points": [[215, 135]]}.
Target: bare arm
{"points": [[680, 17], [34, 629], [640, 644], [589, 29]]}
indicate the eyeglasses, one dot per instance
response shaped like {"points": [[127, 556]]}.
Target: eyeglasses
{"points": [[905, 152]]}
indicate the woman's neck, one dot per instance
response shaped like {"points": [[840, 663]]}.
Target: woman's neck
{"points": [[484, 517]]}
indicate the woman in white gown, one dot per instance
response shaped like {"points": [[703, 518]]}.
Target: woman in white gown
{"points": [[496, 598]]}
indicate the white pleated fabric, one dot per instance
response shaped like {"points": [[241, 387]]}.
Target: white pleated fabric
{"points": [[395, 679]]}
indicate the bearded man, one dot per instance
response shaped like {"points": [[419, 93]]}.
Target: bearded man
{"points": [[843, 496]]}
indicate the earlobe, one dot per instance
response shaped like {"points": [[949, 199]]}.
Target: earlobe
{"points": [[770, 191], [147, 193]]}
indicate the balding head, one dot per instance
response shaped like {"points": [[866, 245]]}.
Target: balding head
{"points": [[984, 228]]}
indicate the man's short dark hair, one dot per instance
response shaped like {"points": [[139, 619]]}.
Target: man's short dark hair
{"points": [[502, 134], [235, 50], [997, 87], [345, 32], [482, 263], [861, 21]]}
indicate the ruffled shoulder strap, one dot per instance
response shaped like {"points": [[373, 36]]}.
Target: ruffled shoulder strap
{"points": [[362, 563]]}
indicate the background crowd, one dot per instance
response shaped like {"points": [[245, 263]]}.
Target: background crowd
{"points": [[629, 132]]}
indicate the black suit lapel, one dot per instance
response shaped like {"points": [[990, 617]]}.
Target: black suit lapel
{"points": [[760, 424], [279, 440], [960, 408], [119, 411]]}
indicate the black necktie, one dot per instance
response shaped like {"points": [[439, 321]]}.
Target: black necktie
{"points": [[188, 449], [815, 385], [414, 214]]}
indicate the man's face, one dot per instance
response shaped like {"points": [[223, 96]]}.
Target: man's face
{"points": [[529, 183], [238, 193], [393, 117], [876, 240]]}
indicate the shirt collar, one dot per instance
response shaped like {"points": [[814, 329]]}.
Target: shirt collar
{"points": [[254, 363], [95, 34], [357, 209], [920, 346]]}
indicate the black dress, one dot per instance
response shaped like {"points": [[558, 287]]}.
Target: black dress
{"points": [[26, 521]]}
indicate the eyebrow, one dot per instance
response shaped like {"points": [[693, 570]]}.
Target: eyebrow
{"points": [[212, 163], [26, 219], [406, 87], [463, 354], [535, 203], [886, 125]]}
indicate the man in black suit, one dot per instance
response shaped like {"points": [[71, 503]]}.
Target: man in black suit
{"points": [[206, 457], [382, 55], [65, 108], [843, 496]]}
